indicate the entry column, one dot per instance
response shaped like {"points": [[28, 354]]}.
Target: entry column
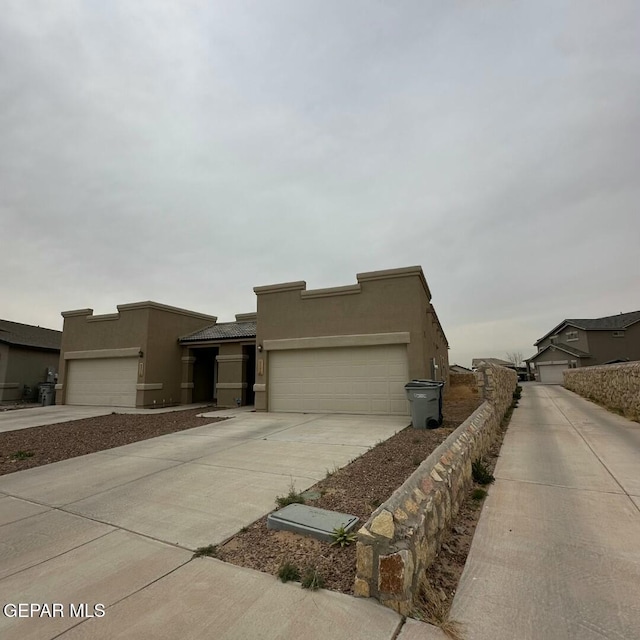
{"points": [[186, 386], [231, 385]]}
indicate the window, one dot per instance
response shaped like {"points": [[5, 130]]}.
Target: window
{"points": [[572, 336], [618, 334], [553, 339], [573, 364]]}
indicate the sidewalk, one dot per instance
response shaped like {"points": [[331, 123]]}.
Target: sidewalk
{"points": [[556, 554]]}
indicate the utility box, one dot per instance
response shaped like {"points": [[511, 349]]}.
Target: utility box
{"points": [[425, 400]]}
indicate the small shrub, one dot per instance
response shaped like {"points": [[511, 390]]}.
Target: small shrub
{"points": [[288, 571], [480, 473], [312, 580], [293, 497], [210, 551], [479, 494], [21, 455], [342, 537]]}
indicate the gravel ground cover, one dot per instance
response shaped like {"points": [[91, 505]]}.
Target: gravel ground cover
{"points": [[357, 489], [27, 448]]}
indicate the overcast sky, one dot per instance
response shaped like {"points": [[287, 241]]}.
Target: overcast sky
{"points": [[186, 151]]}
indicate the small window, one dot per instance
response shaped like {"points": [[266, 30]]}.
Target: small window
{"points": [[553, 339], [618, 334], [573, 364], [572, 336]]}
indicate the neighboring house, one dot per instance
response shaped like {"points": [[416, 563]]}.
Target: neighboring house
{"points": [[346, 349], [458, 368], [587, 342], [477, 362], [27, 355], [522, 372]]}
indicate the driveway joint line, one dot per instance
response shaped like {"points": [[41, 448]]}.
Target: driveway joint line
{"points": [[117, 527], [33, 515], [116, 602], [560, 486], [58, 555], [573, 426]]}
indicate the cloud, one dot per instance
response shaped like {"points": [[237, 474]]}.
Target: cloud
{"points": [[188, 151]]}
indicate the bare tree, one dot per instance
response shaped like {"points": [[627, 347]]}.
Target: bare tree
{"points": [[515, 357]]}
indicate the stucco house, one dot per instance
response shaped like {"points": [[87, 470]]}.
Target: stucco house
{"points": [[27, 354], [347, 349], [586, 342]]}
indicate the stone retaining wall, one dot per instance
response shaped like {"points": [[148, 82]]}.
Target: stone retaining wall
{"points": [[616, 386], [402, 537]]}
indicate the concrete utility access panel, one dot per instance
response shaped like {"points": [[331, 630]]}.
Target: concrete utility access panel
{"points": [[310, 521]]}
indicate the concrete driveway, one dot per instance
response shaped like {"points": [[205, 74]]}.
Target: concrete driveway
{"points": [[117, 528], [557, 550]]}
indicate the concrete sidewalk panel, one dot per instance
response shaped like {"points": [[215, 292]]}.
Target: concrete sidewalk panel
{"points": [[27, 542], [552, 454], [210, 599], [102, 571], [287, 458], [176, 446], [13, 509], [71, 480], [545, 562], [191, 505]]}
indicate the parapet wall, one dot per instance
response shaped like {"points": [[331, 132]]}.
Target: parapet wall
{"points": [[616, 386], [402, 537]]}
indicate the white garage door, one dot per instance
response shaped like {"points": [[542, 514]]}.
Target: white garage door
{"points": [[340, 380], [552, 373], [109, 382]]}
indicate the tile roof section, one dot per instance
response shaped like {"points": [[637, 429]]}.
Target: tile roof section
{"points": [[223, 331], [26, 335]]}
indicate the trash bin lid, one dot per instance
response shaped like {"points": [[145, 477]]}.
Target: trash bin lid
{"points": [[423, 384]]}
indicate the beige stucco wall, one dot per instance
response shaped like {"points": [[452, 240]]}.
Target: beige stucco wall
{"points": [[616, 386], [20, 366], [152, 328], [382, 302], [581, 343], [26, 367]]}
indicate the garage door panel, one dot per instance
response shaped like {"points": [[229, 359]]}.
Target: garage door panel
{"points": [[552, 373], [339, 380], [107, 382]]}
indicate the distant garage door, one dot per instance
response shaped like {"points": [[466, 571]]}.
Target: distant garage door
{"points": [[339, 380], [109, 382], [552, 373]]}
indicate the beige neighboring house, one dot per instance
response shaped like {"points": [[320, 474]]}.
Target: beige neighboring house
{"points": [[131, 358], [27, 355], [348, 349], [586, 342]]}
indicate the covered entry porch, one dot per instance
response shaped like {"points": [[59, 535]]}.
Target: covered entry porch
{"points": [[219, 363]]}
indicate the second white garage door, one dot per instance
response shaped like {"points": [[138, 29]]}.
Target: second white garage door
{"points": [[339, 380], [552, 373], [108, 382]]}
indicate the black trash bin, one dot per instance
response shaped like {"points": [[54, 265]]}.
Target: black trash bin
{"points": [[425, 399]]}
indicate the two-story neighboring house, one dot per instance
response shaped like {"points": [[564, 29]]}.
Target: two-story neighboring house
{"points": [[587, 342]]}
